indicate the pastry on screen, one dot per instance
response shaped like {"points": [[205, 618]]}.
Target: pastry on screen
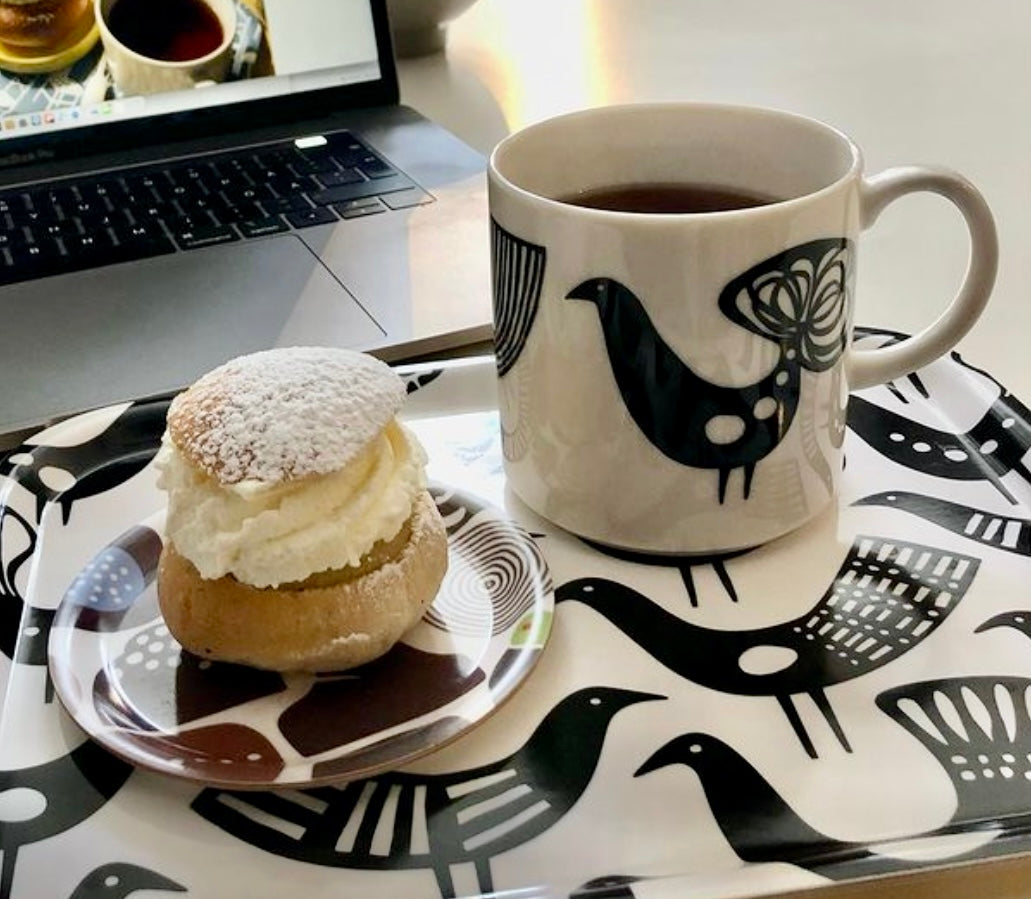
{"points": [[299, 535]]}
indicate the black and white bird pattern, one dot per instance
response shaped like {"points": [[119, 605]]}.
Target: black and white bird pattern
{"points": [[993, 448], [1009, 533], [887, 597], [761, 827], [439, 820], [66, 791], [65, 474], [797, 299], [119, 880]]}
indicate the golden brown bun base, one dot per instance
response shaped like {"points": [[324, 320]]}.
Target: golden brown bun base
{"points": [[332, 621]]}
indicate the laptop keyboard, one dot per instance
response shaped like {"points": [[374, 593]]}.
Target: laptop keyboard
{"points": [[75, 224]]}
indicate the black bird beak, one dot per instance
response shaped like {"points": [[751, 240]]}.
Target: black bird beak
{"points": [[588, 290], [1020, 621], [672, 753]]}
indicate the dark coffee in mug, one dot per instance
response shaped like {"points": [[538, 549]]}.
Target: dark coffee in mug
{"points": [[169, 30], [676, 197]]}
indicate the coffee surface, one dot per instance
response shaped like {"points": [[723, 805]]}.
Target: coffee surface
{"points": [[680, 197], [169, 30]]}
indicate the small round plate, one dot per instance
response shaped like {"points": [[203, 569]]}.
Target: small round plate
{"points": [[129, 685], [17, 59]]}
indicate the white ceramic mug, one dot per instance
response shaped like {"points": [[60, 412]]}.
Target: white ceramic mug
{"points": [[677, 383], [135, 74]]}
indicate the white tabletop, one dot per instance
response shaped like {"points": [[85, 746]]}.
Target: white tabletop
{"points": [[945, 82]]}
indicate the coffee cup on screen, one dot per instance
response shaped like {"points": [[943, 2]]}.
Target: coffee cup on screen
{"points": [[154, 46], [673, 303]]}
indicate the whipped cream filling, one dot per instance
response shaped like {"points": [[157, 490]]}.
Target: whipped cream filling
{"points": [[266, 535]]}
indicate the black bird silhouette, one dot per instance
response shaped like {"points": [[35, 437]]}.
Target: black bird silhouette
{"points": [[761, 827], [118, 880], [1019, 620], [995, 446], [112, 457], [796, 299], [887, 597], [70, 789], [1004, 532], [445, 819]]}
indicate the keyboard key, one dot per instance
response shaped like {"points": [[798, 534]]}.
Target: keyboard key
{"points": [[374, 167], [406, 199], [205, 236], [334, 179], [317, 215], [299, 203], [261, 227], [345, 192], [359, 208]]}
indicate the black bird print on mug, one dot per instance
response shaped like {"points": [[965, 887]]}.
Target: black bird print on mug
{"points": [[888, 596], [437, 820], [517, 268], [64, 474], [798, 299]]}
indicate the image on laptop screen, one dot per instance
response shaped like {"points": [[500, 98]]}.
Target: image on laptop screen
{"points": [[95, 63]]}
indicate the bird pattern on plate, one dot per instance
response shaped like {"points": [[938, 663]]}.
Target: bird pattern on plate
{"points": [[437, 821], [165, 709], [61, 796], [797, 299]]}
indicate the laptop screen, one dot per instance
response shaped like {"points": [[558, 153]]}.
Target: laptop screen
{"points": [[105, 62]]}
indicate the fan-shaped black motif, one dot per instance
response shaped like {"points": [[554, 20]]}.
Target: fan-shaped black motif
{"points": [[517, 268], [798, 298], [979, 730], [437, 820]]}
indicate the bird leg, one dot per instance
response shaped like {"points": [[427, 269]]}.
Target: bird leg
{"points": [[7, 872], [820, 698], [728, 584], [483, 876], [796, 725], [442, 871], [688, 579], [749, 471], [724, 476]]}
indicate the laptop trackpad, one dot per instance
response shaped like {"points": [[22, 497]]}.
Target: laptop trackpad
{"points": [[155, 325]]}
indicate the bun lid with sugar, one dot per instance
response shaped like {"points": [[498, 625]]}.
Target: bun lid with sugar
{"points": [[284, 414]]}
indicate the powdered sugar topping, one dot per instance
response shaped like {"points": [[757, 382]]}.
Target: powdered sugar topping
{"points": [[284, 414]]}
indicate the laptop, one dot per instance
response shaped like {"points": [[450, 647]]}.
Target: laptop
{"points": [[145, 239]]}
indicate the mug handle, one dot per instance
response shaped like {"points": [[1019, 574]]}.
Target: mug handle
{"points": [[867, 368]]}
